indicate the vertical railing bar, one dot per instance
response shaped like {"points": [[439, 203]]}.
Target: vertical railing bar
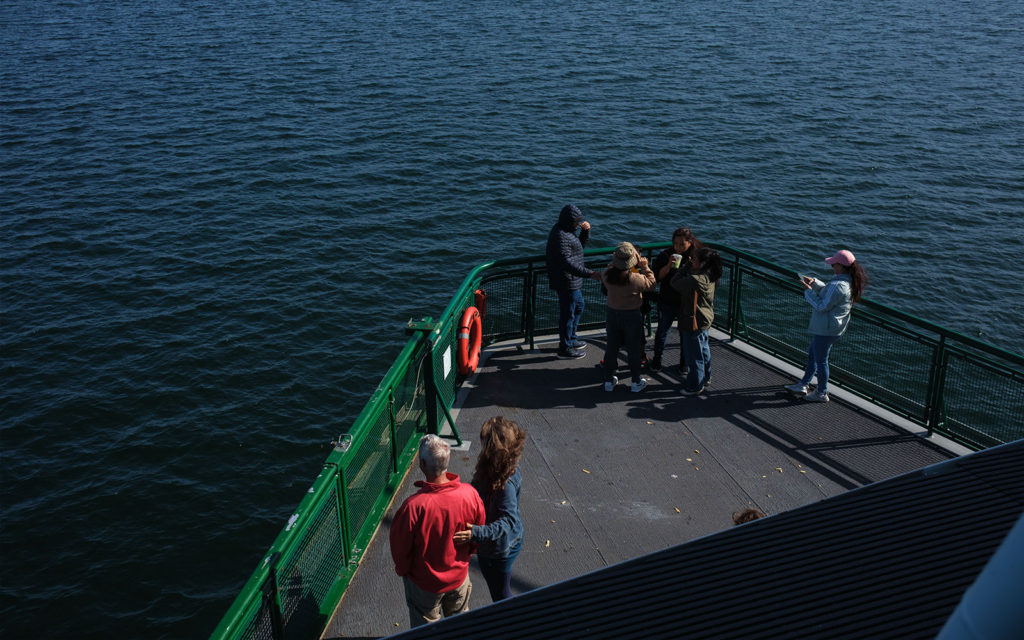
{"points": [[524, 305], [274, 597], [432, 394], [532, 312], [741, 321], [394, 430], [343, 514], [734, 293], [937, 413]]}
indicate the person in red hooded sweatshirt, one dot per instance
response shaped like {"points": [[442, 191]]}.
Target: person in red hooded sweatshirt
{"points": [[434, 569]]}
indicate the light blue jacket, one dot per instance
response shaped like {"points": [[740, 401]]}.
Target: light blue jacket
{"points": [[502, 536], [831, 304]]}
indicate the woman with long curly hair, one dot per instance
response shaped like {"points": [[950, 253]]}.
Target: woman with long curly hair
{"points": [[498, 482], [830, 316]]}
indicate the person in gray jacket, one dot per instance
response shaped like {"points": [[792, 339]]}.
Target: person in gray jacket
{"points": [[830, 316], [566, 272]]}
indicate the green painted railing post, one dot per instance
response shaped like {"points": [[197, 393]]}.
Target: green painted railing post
{"points": [[392, 427], [431, 389], [271, 597], [935, 396], [739, 321], [346, 535], [531, 294], [734, 295]]}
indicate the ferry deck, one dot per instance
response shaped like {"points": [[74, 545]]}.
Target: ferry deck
{"points": [[610, 476]]}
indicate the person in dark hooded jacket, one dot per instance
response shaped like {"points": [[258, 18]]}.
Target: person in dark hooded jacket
{"points": [[566, 272]]}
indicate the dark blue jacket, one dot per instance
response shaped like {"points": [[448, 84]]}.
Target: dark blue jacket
{"points": [[565, 251], [502, 536]]}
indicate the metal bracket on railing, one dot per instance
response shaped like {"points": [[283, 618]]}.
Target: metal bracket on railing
{"points": [[343, 443], [423, 325]]}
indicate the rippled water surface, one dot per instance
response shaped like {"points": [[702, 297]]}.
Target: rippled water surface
{"points": [[216, 217]]}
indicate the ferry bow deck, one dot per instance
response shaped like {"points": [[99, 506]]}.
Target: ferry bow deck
{"points": [[612, 476]]}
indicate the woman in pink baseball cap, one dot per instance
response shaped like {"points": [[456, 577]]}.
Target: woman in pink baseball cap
{"points": [[831, 304]]}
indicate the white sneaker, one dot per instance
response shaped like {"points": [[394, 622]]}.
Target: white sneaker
{"points": [[798, 388], [637, 387], [608, 386], [816, 396]]}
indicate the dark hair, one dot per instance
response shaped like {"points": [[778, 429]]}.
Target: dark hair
{"points": [[615, 275], [502, 441], [686, 234], [858, 279], [746, 515], [709, 262]]}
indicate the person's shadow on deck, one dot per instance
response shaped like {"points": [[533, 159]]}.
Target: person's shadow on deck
{"points": [[735, 398]]}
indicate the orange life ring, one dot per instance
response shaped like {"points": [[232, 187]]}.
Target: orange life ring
{"points": [[469, 338]]}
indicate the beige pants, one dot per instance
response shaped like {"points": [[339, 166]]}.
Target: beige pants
{"points": [[427, 607]]}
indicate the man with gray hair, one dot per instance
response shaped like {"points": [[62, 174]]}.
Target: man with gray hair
{"points": [[434, 569]]}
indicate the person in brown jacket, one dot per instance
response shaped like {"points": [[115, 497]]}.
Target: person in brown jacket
{"points": [[696, 313], [624, 320]]}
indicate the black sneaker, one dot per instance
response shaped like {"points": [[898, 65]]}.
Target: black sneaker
{"points": [[656, 363], [579, 345], [571, 354]]}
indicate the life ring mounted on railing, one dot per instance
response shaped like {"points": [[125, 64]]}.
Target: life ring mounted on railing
{"points": [[469, 338]]}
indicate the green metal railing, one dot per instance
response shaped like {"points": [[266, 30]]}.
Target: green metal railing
{"points": [[964, 389]]}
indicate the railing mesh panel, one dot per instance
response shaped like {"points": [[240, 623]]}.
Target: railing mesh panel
{"points": [[307, 575], [367, 473], [771, 316], [982, 402], [881, 362], [410, 402], [259, 626], [505, 313]]}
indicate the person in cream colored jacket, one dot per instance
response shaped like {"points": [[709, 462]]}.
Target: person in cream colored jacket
{"points": [[624, 322]]}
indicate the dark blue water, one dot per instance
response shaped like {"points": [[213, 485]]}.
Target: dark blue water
{"points": [[216, 218]]}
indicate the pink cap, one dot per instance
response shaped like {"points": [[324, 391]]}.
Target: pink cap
{"points": [[843, 257]]}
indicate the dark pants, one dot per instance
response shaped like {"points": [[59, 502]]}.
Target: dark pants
{"points": [[667, 314], [570, 310], [623, 328], [498, 574]]}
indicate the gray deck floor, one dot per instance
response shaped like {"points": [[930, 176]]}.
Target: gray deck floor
{"points": [[610, 476]]}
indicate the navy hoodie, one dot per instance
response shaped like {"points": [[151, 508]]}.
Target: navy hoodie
{"points": [[565, 251]]}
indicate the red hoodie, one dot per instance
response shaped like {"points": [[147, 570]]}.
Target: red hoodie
{"points": [[421, 534]]}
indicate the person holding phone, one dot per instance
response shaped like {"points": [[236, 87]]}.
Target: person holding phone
{"points": [[831, 304]]}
